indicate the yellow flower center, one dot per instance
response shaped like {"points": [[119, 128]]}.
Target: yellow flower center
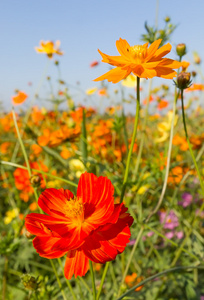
{"points": [[75, 209], [139, 53]]}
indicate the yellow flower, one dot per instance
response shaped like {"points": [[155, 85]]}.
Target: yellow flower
{"points": [[143, 189], [91, 91], [129, 81], [49, 48], [77, 167], [10, 215], [165, 127]]}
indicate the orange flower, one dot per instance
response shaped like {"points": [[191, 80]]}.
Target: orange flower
{"points": [[94, 64], [4, 147], [131, 280], [162, 104], [141, 61], [195, 87], [185, 65], [49, 48], [102, 92], [19, 98]]}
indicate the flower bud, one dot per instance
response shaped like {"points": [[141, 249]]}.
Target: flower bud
{"points": [[29, 282], [181, 49], [196, 58], [35, 180], [194, 73], [29, 235], [167, 19], [183, 80]]}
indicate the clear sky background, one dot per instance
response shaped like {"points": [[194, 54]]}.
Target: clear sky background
{"points": [[83, 27]]}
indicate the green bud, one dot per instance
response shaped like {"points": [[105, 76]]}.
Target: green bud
{"points": [[29, 282], [181, 49]]}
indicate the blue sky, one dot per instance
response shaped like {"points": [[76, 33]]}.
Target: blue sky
{"points": [[83, 27]]}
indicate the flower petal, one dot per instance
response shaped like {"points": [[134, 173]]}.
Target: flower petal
{"points": [[44, 247], [53, 201], [122, 46], [77, 263], [152, 49], [114, 75], [113, 60]]}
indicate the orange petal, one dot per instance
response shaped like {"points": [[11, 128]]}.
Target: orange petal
{"points": [[113, 60], [114, 75], [164, 72], [152, 49], [161, 52], [170, 63], [122, 46]]}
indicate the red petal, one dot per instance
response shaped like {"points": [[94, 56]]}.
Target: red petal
{"points": [[77, 263], [53, 201], [109, 240], [43, 225], [45, 247]]}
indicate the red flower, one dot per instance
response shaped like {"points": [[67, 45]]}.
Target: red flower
{"points": [[88, 226]]}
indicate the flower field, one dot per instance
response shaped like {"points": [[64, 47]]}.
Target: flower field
{"points": [[107, 204]]}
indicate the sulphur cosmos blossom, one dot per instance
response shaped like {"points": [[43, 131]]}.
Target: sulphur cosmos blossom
{"points": [[88, 226], [140, 60], [19, 98], [49, 48]]}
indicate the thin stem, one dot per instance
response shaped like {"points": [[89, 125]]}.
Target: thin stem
{"points": [[58, 280], [67, 281], [168, 161], [102, 280], [132, 141], [189, 144], [21, 143], [84, 138], [143, 131], [158, 275], [39, 171], [92, 279], [130, 257], [4, 279]]}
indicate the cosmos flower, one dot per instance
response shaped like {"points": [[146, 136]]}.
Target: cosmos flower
{"points": [[49, 48], [88, 226], [19, 98], [140, 60]]}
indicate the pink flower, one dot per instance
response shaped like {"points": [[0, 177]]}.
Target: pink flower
{"points": [[170, 221]]}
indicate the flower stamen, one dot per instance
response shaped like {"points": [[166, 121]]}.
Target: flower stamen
{"points": [[138, 52]]}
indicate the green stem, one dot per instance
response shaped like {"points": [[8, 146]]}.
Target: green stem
{"points": [[102, 280], [38, 171], [130, 257], [24, 151], [67, 281], [158, 275], [143, 131], [189, 144], [58, 280], [84, 138], [132, 141], [93, 280], [168, 162], [4, 279], [21, 143]]}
